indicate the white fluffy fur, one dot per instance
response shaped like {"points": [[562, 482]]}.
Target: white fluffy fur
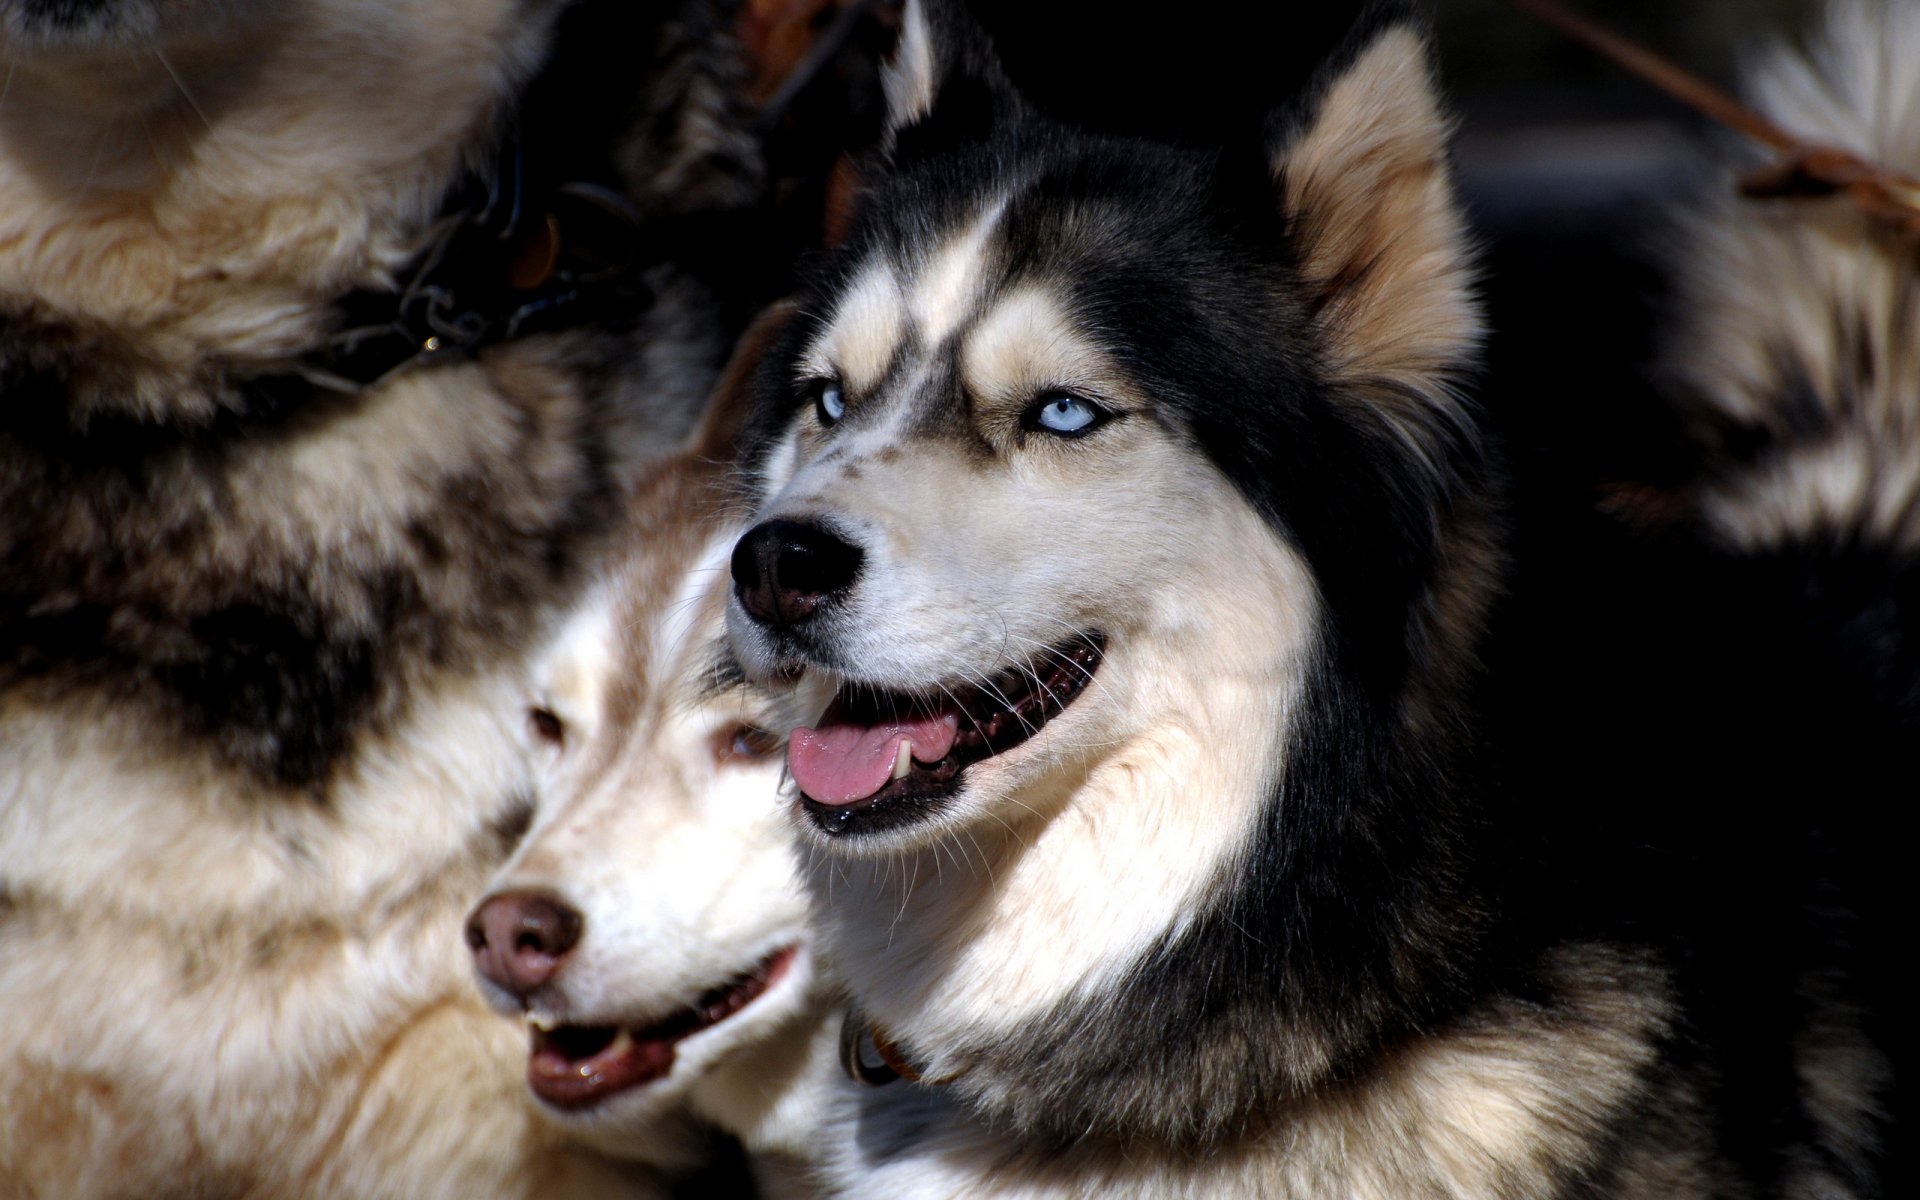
{"points": [[675, 854], [352, 1053], [909, 76], [1069, 854]]}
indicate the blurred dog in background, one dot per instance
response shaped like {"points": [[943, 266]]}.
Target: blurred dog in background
{"points": [[330, 336]]}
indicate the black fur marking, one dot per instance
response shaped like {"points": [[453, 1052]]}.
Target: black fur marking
{"points": [[68, 14], [277, 664], [722, 675], [1735, 720], [278, 671]]}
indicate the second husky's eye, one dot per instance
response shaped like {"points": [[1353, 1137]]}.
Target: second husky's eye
{"points": [[746, 744], [1065, 414], [547, 724], [829, 401]]}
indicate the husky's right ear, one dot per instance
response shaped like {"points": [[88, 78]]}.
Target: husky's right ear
{"points": [[944, 82], [1364, 179]]}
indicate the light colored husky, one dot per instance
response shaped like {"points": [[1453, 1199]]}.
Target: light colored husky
{"points": [[651, 929], [1123, 495], [328, 337]]}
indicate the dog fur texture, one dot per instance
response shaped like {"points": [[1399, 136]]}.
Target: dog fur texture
{"points": [[660, 831], [262, 647], [1835, 353], [1257, 910]]}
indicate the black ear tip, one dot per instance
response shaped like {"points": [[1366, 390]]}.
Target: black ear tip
{"points": [[1381, 17], [1374, 22], [1380, 14]]}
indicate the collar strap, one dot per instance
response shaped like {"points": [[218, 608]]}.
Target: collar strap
{"points": [[498, 268]]}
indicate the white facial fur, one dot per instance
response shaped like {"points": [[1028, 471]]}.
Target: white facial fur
{"points": [[985, 545], [674, 852]]}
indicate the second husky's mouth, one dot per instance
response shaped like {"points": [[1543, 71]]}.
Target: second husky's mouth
{"points": [[578, 1066], [900, 751]]}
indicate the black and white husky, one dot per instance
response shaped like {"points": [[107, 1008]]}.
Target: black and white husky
{"points": [[1123, 496]]}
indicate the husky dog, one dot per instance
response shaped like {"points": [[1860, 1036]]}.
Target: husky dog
{"points": [[651, 928], [1123, 494], [328, 335]]}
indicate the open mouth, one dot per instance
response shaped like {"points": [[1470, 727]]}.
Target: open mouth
{"points": [[578, 1066], [878, 752]]}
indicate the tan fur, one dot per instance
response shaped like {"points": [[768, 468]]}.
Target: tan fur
{"points": [[170, 195], [1012, 902], [1069, 852], [1385, 245], [867, 329], [243, 1014], [948, 283], [908, 77]]}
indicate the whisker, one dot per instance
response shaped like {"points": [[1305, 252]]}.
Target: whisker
{"points": [[182, 85], [906, 897]]}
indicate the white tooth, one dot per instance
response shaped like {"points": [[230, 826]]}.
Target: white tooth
{"points": [[903, 759], [622, 1042], [542, 1022]]}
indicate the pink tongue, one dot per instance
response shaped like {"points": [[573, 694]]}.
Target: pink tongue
{"points": [[841, 764]]}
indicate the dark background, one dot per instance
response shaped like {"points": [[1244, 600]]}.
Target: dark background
{"points": [[1570, 170]]}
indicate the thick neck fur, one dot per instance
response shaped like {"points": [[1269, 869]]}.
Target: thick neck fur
{"points": [[1138, 958], [1508, 1101]]}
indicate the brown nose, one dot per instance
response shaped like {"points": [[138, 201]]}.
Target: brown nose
{"points": [[783, 571], [519, 938]]}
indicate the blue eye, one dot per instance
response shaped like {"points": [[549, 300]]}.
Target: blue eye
{"points": [[1066, 415], [831, 403]]}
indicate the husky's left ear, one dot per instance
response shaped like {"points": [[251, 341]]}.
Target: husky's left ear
{"points": [[944, 76], [1364, 179]]}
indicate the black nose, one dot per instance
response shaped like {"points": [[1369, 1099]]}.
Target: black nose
{"points": [[784, 570]]}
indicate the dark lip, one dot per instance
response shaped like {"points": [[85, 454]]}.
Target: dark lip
{"points": [[576, 1067], [993, 720]]}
